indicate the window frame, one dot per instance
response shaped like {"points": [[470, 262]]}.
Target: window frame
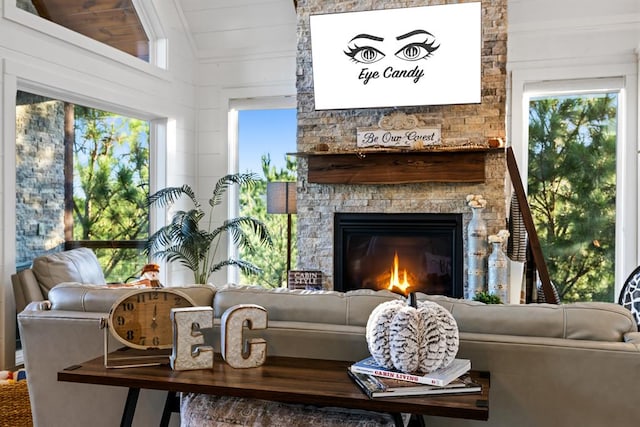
{"points": [[234, 106], [160, 129], [555, 82]]}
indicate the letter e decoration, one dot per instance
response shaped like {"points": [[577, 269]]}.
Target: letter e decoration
{"points": [[189, 351], [231, 339]]}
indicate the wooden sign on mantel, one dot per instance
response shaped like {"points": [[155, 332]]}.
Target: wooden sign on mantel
{"points": [[417, 138], [399, 130]]}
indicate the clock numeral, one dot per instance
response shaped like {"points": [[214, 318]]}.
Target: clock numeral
{"points": [[130, 335], [155, 341], [143, 340], [120, 321], [129, 306]]}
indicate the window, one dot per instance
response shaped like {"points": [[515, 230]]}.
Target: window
{"points": [[114, 24], [265, 136], [573, 170], [82, 180]]}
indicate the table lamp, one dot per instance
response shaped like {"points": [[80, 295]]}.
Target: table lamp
{"points": [[281, 199]]}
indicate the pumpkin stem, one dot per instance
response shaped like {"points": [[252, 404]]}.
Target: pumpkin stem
{"points": [[413, 301]]}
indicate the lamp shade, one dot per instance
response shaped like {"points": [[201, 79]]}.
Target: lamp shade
{"points": [[281, 197]]}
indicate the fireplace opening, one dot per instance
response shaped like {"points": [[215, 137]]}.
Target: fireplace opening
{"points": [[400, 252]]}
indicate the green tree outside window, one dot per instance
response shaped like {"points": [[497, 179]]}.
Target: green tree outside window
{"points": [[111, 185], [572, 191], [271, 260]]}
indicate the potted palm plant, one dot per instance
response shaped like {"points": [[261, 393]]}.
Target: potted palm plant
{"points": [[195, 245]]}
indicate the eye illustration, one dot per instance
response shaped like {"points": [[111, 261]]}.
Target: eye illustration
{"points": [[416, 51], [365, 54]]}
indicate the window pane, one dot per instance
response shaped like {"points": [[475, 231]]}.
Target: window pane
{"points": [[121, 265], [572, 191], [265, 136], [116, 24], [81, 180], [110, 183]]}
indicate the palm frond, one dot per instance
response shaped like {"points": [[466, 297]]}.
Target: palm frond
{"points": [[245, 266], [242, 179], [236, 228], [168, 196]]}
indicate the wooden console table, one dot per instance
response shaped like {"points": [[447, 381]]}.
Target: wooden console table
{"points": [[281, 379]]}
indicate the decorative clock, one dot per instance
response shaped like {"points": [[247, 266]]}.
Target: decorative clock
{"points": [[141, 319]]}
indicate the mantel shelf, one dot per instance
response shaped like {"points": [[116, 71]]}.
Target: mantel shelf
{"points": [[397, 167]]}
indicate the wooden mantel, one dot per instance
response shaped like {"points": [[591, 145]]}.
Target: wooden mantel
{"points": [[397, 167]]}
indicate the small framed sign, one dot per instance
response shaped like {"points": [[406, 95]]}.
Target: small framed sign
{"points": [[416, 139], [399, 130], [305, 279]]}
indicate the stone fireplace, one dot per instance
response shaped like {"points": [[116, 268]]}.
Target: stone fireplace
{"points": [[320, 203]]}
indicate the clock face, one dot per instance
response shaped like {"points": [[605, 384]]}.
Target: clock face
{"points": [[142, 319]]}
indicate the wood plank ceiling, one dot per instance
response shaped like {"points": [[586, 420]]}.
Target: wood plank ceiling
{"points": [[113, 22]]}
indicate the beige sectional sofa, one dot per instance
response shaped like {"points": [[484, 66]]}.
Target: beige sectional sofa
{"points": [[568, 365]]}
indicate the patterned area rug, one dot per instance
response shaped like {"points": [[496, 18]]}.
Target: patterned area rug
{"points": [[202, 410]]}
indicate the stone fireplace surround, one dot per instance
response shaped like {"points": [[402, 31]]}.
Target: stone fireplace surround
{"points": [[476, 123]]}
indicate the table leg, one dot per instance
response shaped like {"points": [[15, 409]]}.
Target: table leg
{"points": [[172, 404], [416, 420], [130, 407], [397, 419]]}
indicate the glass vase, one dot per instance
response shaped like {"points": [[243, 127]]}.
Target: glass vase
{"points": [[498, 273], [477, 250]]}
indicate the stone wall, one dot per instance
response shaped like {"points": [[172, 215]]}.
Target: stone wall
{"points": [[337, 128], [39, 176]]}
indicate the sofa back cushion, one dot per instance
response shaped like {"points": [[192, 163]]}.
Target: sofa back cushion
{"points": [[100, 299], [596, 321], [349, 308], [77, 265]]}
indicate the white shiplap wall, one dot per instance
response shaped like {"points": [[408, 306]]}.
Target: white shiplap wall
{"points": [[41, 57], [247, 49]]}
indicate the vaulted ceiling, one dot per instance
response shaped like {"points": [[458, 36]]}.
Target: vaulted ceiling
{"points": [[217, 29]]}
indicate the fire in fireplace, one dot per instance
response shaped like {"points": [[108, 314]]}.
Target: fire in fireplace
{"points": [[400, 252]]}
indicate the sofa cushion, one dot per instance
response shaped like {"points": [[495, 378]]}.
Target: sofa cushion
{"points": [[96, 298], [77, 265], [330, 307], [596, 321]]}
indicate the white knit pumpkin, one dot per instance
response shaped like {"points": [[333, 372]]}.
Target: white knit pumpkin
{"points": [[416, 340]]}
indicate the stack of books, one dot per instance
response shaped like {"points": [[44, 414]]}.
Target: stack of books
{"points": [[378, 381]]}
